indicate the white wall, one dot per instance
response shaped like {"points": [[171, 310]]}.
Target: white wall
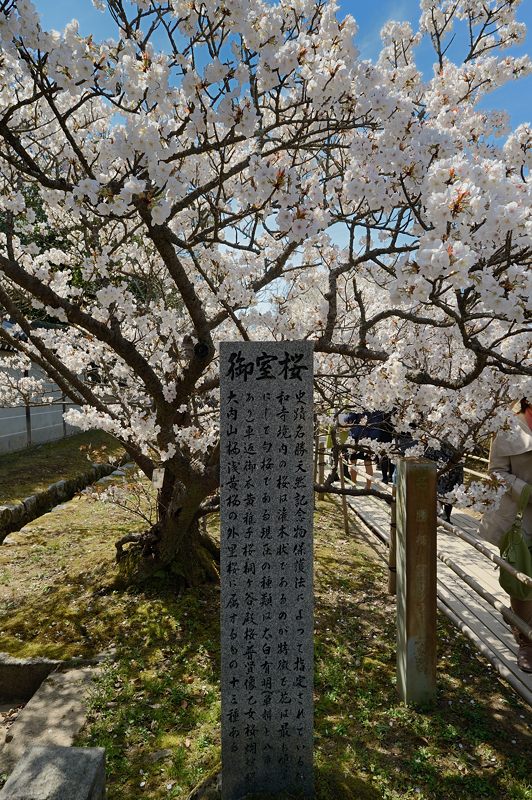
{"points": [[21, 426], [45, 424]]}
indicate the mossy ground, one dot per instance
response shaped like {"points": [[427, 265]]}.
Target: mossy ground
{"points": [[32, 470], [156, 709]]}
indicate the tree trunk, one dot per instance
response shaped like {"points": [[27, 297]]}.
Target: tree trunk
{"points": [[174, 547]]}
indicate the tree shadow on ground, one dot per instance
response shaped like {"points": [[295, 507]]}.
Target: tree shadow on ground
{"points": [[334, 784], [156, 709], [472, 742], [331, 784]]}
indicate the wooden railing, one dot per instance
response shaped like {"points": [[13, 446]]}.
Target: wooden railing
{"points": [[389, 538]]}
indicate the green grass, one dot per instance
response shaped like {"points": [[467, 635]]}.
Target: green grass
{"points": [[32, 470], [156, 709], [53, 582]]}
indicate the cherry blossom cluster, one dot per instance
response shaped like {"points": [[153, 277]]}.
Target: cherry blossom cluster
{"points": [[217, 171]]}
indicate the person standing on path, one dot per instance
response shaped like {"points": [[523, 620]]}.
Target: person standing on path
{"points": [[450, 476], [511, 461], [359, 430]]}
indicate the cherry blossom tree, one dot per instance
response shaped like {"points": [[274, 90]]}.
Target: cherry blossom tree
{"points": [[234, 171]]}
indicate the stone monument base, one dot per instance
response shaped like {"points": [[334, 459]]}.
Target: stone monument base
{"points": [[210, 788]]}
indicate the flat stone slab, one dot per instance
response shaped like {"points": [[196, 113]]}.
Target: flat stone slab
{"points": [[53, 716], [58, 773]]}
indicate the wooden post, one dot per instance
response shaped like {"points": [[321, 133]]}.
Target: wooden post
{"points": [[416, 580], [28, 426], [316, 453], [321, 462], [63, 412], [28, 417], [392, 552], [344, 498], [368, 469]]}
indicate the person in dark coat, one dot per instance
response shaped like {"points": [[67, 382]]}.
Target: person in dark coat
{"points": [[360, 430], [382, 431], [376, 426], [454, 476]]}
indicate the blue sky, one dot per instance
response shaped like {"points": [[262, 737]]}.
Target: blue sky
{"points": [[516, 97]]}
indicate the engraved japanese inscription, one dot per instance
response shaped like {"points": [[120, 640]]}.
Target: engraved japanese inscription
{"points": [[266, 420]]}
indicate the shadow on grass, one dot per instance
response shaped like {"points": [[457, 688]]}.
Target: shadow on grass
{"points": [[333, 784], [330, 784], [156, 709], [471, 743]]}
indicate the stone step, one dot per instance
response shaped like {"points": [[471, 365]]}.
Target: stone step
{"points": [[21, 677], [53, 716], [58, 773]]}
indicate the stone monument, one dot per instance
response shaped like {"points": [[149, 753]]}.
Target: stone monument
{"points": [[266, 431]]}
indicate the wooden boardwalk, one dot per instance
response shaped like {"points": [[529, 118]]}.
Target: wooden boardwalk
{"points": [[468, 610]]}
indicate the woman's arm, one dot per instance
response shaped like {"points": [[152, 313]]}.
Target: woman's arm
{"points": [[500, 466]]}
